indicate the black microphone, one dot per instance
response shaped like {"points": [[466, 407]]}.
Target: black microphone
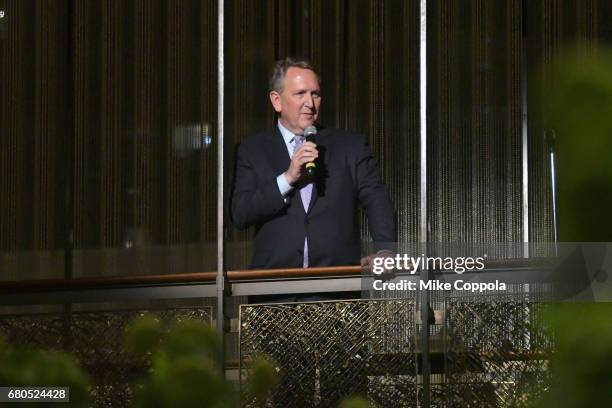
{"points": [[309, 134]]}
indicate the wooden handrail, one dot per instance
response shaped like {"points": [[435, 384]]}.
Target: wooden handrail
{"points": [[100, 282], [257, 274], [196, 277]]}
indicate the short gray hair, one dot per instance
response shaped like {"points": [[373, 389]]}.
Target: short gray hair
{"points": [[279, 72]]}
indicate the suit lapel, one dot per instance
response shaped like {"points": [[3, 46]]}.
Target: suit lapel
{"points": [[276, 151]]}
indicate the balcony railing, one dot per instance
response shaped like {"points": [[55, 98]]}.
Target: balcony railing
{"points": [[473, 351]]}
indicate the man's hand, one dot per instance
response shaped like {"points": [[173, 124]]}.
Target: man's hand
{"points": [[367, 262], [306, 153]]}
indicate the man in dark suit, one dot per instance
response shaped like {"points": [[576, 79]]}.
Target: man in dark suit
{"points": [[304, 221]]}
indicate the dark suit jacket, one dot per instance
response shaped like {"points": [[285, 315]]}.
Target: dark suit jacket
{"points": [[347, 175]]}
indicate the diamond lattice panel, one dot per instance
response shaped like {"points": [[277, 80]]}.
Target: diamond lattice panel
{"points": [[328, 350], [496, 351]]}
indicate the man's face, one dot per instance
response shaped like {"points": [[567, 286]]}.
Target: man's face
{"points": [[298, 103]]}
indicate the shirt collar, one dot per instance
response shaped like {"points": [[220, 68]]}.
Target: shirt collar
{"points": [[286, 133]]}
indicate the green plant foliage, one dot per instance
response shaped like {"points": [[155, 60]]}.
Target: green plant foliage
{"points": [[191, 337], [5, 347], [356, 402], [578, 107], [143, 335], [262, 379], [581, 365], [184, 367], [37, 368]]}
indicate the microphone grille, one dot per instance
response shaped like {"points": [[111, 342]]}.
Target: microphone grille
{"points": [[310, 131]]}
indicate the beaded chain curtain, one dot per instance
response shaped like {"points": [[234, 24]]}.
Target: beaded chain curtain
{"points": [[109, 137], [145, 111]]}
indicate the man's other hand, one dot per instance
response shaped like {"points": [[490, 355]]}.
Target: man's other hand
{"points": [[306, 153]]}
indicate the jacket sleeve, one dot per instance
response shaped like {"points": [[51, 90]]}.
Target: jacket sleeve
{"points": [[255, 197], [374, 196]]}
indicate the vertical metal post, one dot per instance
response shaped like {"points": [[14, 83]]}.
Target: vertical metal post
{"points": [[423, 125], [424, 273], [525, 147], [553, 184], [549, 138], [220, 169]]}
